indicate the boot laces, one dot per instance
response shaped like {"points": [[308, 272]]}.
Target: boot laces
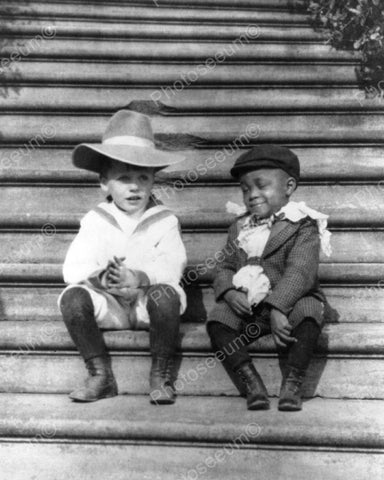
{"points": [[247, 382], [162, 366], [294, 382]]}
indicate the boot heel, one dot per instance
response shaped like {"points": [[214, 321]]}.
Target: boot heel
{"points": [[162, 396]]}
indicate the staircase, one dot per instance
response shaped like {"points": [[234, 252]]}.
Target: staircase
{"points": [[223, 73]]}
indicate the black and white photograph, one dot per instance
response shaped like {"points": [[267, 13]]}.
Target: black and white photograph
{"points": [[192, 240]]}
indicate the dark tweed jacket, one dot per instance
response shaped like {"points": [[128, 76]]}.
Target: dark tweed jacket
{"points": [[290, 260]]}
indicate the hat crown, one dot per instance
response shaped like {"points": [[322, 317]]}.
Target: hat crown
{"points": [[128, 138], [267, 156], [129, 128], [270, 152]]}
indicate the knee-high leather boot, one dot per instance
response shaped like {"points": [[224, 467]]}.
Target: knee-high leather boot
{"points": [[257, 395], [78, 315], [164, 311]]}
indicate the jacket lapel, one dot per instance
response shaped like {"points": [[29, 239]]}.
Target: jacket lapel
{"points": [[242, 255], [281, 231]]}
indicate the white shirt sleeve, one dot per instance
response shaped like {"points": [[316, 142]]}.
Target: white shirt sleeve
{"points": [[81, 260], [171, 258]]}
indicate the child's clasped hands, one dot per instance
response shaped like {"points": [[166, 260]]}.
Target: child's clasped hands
{"points": [[121, 280]]}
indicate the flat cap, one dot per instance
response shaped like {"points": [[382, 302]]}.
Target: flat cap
{"points": [[267, 156]]}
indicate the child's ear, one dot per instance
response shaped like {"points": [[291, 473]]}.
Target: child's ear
{"points": [[291, 186], [103, 184]]}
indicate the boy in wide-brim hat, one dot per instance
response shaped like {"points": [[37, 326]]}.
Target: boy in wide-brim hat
{"points": [[125, 265], [268, 279]]}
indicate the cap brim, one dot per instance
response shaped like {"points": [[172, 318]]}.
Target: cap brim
{"points": [[90, 156], [238, 170]]}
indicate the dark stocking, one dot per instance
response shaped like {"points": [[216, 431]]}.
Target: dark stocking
{"points": [[164, 312], [301, 352], [78, 315], [231, 345]]}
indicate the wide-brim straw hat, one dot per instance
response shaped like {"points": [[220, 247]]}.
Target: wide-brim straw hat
{"points": [[128, 138]]}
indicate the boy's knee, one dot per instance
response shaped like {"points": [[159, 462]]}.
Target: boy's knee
{"points": [[163, 297], [308, 326], [74, 299]]}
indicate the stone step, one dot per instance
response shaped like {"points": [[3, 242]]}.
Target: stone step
{"points": [[357, 206], [212, 130], [247, 49], [29, 459], [234, 4], [145, 73], [47, 437], [340, 274], [341, 426], [25, 370], [318, 164], [48, 246], [365, 339], [191, 101], [353, 304], [160, 30], [150, 12]]}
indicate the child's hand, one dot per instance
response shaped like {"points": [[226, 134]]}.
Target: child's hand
{"points": [[119, 276], [238, 302], [281, 329]]}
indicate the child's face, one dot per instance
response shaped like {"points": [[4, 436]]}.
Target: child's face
{"points": [[267, 190], [129, 186]]}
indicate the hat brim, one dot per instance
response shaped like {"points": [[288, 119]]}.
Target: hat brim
{"points": [[238, 170], [90, 156]]}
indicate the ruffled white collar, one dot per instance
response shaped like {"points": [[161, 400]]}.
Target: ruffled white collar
{"points": [[294, 212]]}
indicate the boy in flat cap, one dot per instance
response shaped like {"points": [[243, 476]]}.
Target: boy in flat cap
{"points": [[124, 266], [268, 280]]}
